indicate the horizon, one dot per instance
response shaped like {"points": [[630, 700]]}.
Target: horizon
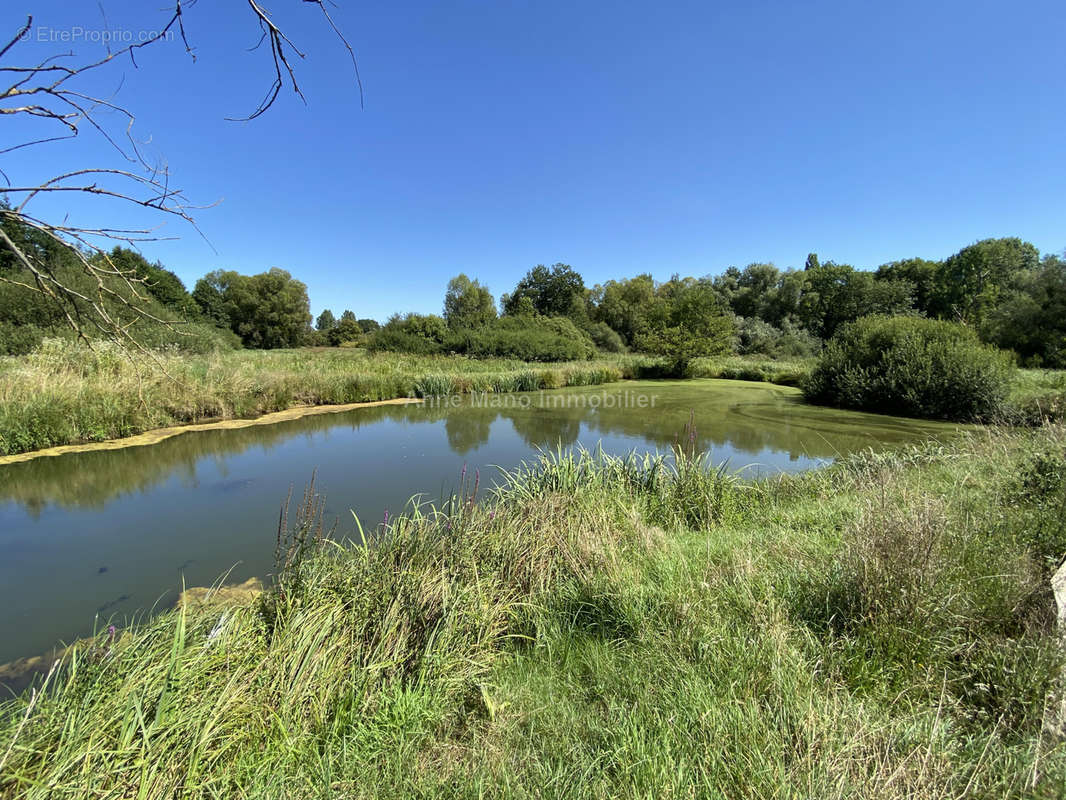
{"points": [[620, 142]]}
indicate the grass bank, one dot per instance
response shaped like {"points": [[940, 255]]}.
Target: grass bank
{"points": [[64, 394], [607, 628]]}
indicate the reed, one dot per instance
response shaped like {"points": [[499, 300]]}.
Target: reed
{"points": [[65, 394], [605, 627]]}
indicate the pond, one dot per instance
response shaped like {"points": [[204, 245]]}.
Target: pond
{"points": [[96, 536]]}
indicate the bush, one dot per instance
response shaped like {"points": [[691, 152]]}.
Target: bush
{"points": [[17, 340], [605, 338], [531, 338], [914, 367], [756, 336]]}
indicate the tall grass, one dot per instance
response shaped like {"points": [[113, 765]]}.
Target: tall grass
{"points": [[63, 394], [605, 627]]}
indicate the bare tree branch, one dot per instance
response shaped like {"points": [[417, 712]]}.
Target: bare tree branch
{"points": [[51, 93]]}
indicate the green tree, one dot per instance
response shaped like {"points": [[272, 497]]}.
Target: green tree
{"points": [[369, 325], [756, 287], [158, 282], [346, 330], [835, 294], [267, 310], [623, 305], [550, 291], [973, 281], [812, 261], [325, 322], [920, 273], [468, 304], [348, 315], [1031, 320], [691, 324], [207, 294]]}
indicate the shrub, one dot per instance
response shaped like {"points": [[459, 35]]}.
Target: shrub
{"points": [[911, 366], [756, 336], [17, 340], [532, 338], [605, 338]]}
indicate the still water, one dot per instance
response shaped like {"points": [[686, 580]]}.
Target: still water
{"points": [[104, 535]]}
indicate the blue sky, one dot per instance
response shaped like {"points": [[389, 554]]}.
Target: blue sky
{"points": [[617, 137]]}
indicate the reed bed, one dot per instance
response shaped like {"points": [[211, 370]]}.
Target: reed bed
{"points": [[66, 394]]}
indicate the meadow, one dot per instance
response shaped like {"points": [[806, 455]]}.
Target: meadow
{"points": [[606, 627], [63, 394]]}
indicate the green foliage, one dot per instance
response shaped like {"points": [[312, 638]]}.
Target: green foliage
{"points": [[911, 366], [920, 274], [347, 330], [598, 627], [267, 310], [623, 305], [153, 306], [527, 338], [19, 339], [605, 338], [468, 304], [972, 282], [550, 292], [1031, 317], [835, 294], [690, 324], [160, 283], [326, 321]]}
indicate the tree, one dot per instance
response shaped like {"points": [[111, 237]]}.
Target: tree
{"points": [[550, 291], [756, 286], [1032, 319], [920, 273], [348, 316], [66, 95], [160, 283], [325, 322], [623, 305], [694, 325], [267, 310], [468, 304], [835, 294], [369, 325], [812, 261], [971, 282], [207, 294], [347, 330]]}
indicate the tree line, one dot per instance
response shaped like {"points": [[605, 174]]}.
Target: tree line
{"points": [[1002, 289]]}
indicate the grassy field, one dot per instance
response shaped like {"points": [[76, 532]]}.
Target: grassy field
{"points": [[64, 394], [883, 628]]}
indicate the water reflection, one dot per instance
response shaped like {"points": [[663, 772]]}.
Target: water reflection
{"points": [[744, 418], [120, 530]]}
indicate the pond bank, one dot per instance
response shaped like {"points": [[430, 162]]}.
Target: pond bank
{"points": [[162, 434], [63, 395], [612, 628]]}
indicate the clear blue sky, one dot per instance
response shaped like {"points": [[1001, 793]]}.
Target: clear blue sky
{"points": [[617, 137]]}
